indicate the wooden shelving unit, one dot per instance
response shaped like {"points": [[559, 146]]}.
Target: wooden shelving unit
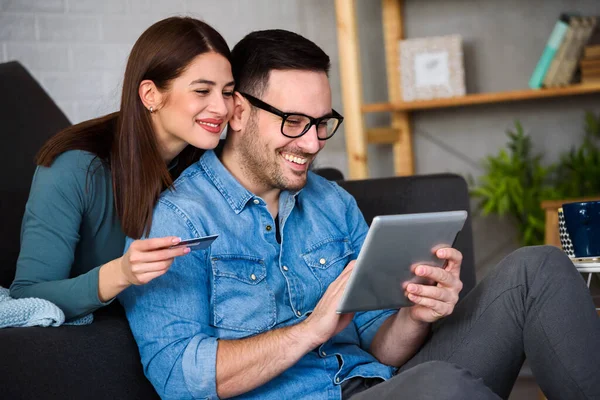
{"points": [[399, 134]]}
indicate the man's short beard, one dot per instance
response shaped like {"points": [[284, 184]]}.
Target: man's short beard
{"points": [[257, 163]]}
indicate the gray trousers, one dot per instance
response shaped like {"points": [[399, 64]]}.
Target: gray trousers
{"points": [[534, 304]]}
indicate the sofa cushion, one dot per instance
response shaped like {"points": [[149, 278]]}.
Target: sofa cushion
{"points": [[97, 361]]}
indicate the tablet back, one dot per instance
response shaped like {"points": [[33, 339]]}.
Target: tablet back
{"points": [[394, 245]]}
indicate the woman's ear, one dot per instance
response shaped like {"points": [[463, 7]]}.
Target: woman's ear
{"points": [[241, 112], [150, 95]]}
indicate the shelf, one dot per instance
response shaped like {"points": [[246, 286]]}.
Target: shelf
{"points": [[483, 98]]}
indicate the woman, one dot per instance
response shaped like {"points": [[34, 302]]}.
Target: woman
{"points": [[98, 181]]}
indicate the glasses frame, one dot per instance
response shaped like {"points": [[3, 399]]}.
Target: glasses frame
{"points": [[284, 116]]}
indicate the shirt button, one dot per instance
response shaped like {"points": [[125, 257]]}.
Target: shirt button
{"points": [[256, 201], [268, 228], [253, 277], [322, 261], [298, 313], [323, 353], [285, 268], [337, 380]]}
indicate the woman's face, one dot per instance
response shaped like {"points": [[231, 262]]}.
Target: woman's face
{"points": [[196, 107]]}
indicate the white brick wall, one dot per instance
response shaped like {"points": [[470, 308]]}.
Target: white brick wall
{"points": [[74, 86], [61, 28], [34, 5], [97, 6], [125, 28], [109, 57], [159, 7], [17, 26], [40, 56]]}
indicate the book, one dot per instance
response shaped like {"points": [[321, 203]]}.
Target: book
{"points": [[594, 39], [561, 73], [585, 29], [589, 63], [592, 51], [590, 80], [550, 80], [590, 72], [592, 47], [554, 41]]}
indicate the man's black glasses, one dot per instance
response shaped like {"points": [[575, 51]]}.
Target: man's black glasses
{"points": [[294, 125]]}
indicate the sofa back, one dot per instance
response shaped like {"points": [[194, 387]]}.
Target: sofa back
{"points": [[29, 117], [418, 194]]}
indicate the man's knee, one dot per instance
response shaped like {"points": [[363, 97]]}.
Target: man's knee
{"points": [[540, 268], [548, 257], [538, 253], [440, 372], [443, 380]]}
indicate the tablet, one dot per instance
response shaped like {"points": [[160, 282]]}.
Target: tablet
{"points": [[394, 245]]}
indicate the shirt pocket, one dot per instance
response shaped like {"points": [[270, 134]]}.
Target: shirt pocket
{"points": [[327, 259], [242, 299]]}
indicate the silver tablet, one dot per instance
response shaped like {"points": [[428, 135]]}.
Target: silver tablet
{"points": [[394, 245]]}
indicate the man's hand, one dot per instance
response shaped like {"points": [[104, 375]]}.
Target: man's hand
{"points": [[436, 301], [325, 322]]}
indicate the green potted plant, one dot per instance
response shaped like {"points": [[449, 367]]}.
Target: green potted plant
{"points": [[516, 180], [577, 174]]}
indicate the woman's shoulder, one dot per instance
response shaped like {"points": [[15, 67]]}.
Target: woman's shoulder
{"points": [[75, 166], [76, 159]]}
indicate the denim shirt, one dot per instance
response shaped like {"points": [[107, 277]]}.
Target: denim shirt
{"points": [[247, 283]]}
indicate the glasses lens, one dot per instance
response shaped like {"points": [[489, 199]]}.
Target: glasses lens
{"points": [[294, 125], [327, 128]]}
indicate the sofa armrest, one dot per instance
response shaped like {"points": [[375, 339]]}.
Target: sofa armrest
{"points": [[96, 361]]}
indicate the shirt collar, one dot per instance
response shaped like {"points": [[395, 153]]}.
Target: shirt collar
{"points": [[234, 193]]}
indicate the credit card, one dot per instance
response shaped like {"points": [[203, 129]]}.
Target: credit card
{"points": [[199, 243]]}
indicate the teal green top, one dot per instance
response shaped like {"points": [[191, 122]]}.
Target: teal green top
{"points": [[70, 229]]}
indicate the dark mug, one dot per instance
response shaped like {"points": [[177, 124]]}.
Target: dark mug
{"points": [[582, 224]]}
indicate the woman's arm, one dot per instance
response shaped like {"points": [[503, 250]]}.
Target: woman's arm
{"points": [[59, 197], [49, 237], [144, 260]]}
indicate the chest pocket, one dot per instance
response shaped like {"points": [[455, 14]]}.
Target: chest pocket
{"points": [[242, 299], [327, 259]]}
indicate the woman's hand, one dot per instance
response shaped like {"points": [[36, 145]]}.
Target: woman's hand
{"points": [[147, 259]]}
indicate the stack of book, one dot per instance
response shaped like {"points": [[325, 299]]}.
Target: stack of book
{"points": [[590, 63], [561, 58]]}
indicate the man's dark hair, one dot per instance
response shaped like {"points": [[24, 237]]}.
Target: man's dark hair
{"points": [[260, 52]]}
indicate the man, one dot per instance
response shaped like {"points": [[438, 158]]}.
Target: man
{"points": [[254, 315]]}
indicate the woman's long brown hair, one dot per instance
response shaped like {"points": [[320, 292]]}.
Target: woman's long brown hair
{"points": [[126, 140]]}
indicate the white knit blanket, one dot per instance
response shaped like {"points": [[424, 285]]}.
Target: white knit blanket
{"points": [[33, 312]]}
